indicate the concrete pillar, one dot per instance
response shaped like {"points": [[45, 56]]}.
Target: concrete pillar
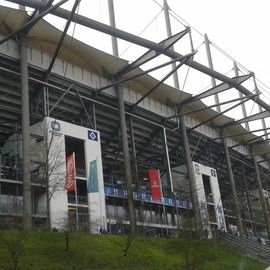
{"points": [[248, 199], [125, 147], [232, 182], [262, 199], [26, 166], [191, 176], [134, 156]]}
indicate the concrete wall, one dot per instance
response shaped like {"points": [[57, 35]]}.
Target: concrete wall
{"points": [[180, 180]]}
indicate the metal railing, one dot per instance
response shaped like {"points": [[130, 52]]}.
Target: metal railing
{"points": [[12, 205], [146, 197], [256, 248]]}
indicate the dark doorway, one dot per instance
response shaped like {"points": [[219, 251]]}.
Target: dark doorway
{"points": [[76, 146], [207, 188]]}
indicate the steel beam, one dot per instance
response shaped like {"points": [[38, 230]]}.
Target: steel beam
{"points": [[32, 22], [264, 160], [94, 116], [187, 58], [61, 98], [62, 13], [85, 111], [207, 108], [260, 142], [260, 108], [221, 113], [169, 34], [47, 72], [251, 140], [261, 154], [210, 64], [239, 134], [151, 54], [61, 89], [243, 107], [120, 81], [250, 118], [112, 23], [215, 90]]}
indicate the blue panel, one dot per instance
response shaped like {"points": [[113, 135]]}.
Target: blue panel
{"points": [[183, 203], [166, 200], [109, 190], [147, 197], [120, 192], [138, 195]]}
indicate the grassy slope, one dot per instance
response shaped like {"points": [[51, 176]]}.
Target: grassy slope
{"points": [[47, 251]]}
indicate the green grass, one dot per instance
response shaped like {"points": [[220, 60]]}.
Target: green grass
{"points": [[44, 251]]}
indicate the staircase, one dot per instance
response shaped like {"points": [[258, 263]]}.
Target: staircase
{"points": [[250, 247]]}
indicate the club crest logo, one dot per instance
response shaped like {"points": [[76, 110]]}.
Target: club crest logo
{"points": [[92, 135]]}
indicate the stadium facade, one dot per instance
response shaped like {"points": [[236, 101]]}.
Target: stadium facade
{"points": [[112, 119]]}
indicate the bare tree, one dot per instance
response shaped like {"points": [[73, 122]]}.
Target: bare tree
{"points": [[49, 164]]}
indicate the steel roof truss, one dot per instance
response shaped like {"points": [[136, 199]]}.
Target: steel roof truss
{"points": [[239, 134], [60, 12], [206, 108], [217, 89], [219, 114], [151, 54], [257, 116], [186, 59], [253, 140], [32, 22], [140, 74], [47, 72]]}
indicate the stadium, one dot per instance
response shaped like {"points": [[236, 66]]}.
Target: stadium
{"points": [[93, 138]]}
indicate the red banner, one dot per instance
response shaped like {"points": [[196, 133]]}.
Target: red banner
{"points": [[70, 174], [155, 186]]}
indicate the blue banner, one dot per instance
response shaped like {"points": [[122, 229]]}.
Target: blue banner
{"points": [[93, 177]]}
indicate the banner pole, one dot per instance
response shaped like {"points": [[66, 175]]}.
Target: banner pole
{"points": [[163, 204], [76, 197]]}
